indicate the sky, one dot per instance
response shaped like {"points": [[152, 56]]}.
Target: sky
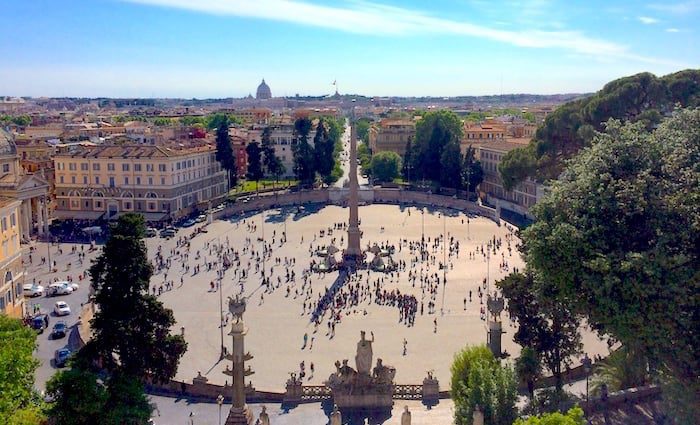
{"points": [[223, 48]]}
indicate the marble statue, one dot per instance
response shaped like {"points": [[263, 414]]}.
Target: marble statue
{"points": [[265, 418], [363, 358], [406, 416]]}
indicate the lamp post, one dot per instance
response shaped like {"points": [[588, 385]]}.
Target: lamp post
{"points": [[220, 402], [587, 366]]}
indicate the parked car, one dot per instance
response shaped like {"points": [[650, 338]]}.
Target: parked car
{"points": [[31, 290], [188, 223], [167, 233], [59, 330], [61, 356], [201, 218], [40, 322], [59, 288], [151, 232], [61, 308]]}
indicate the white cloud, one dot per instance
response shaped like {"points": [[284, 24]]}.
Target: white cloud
{"points": [[647, 20], [682, 8], [672, 30], [363, 17]]}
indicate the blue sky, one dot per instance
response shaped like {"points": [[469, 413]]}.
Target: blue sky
{"points": [[222, 48]]}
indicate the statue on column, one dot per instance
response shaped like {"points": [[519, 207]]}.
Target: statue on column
{"points": [[363, 358]]}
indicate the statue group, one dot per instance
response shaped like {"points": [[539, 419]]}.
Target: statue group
{"points": [[364, 387]]}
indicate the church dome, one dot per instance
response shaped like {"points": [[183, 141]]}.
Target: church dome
{"points": [[263, 91], [7, 145]]}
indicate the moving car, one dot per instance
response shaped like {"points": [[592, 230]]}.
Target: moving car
{"points": [[73, 286], [151, 232], [61, 308], [59, 330], [40, 322], [201, 218], [31, 290], [59, 288], [61, 356], [188, 223]]}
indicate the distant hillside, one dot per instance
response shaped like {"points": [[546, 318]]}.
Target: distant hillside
{"points": [[642, 97]]}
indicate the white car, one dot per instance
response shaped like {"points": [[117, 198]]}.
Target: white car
{"points": [[31, 290], [61, 308], [73, 286], [59, 288], [201, 218]]}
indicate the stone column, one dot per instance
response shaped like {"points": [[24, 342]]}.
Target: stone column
{"points": [[353, 251], [25, 220], [40, 215], [239, 413]]}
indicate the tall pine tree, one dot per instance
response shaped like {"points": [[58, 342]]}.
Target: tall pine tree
{"points": [[304, 167], [224, 152], [255, 168]]}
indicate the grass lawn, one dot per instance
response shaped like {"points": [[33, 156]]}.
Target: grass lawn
{"points": [[244, 186]]}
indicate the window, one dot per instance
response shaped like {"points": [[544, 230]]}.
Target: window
{"points": [[98, 204], [162, 168], [110, 166], [95, 167], [13, 220], [151, 205], [137, 167], [4, 224], [111, 182], [85, 180], [162, 181], [150, 181], [126, 181], [97, 179], [72, 166], [125, 167], [138, 180], [84, 166], [72, 179], [127, 205], [61, 179], [5, 168], [149, 167]]}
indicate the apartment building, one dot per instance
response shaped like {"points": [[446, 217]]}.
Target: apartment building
{"points": [[161, 182], [391, 135], [522, 197], [11, 270]]}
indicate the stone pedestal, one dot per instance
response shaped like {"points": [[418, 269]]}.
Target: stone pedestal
{"points": [[494, 340], [239, 416], [293, 392], [431, 390]]}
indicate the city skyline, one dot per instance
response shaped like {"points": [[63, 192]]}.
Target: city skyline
{"points": [[220, 48]]}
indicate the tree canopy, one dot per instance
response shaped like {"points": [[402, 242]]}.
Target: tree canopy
{"points": [[385, 166], [131, 328], [224, 152], [255, 165], [617, 238], [304, 160], [18, 402], [436, 133], [641, 97], [573, 417]]}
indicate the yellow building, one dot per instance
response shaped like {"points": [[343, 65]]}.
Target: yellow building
{"points": [[391, 135], [160, 182], [12, 272]]}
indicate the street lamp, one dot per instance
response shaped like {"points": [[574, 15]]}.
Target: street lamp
{"points": [[220, 402], [587, 366]]}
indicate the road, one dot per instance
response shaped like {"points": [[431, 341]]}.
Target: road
{"points": [[345, 161], [64, 256]]}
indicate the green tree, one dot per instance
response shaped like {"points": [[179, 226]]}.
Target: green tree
{"points": [[472, 173], [462, 363], [162, 122], [618, 236], [385, 166], [547, 326], [490, 386], [451, 166], [516, 166], [18, 401], [362, 128], [255, 166], [573, 417], [131, 328], [22, 120], [528, 368], [364, 154], [303, 153], [79, 397], [624, 368], [407, 163], [224, 153], [434, 132], [126, 402], [216, 120], [323, 152]]}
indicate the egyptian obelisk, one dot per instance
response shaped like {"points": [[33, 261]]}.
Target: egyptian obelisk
{"points": [[353, 252]]}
